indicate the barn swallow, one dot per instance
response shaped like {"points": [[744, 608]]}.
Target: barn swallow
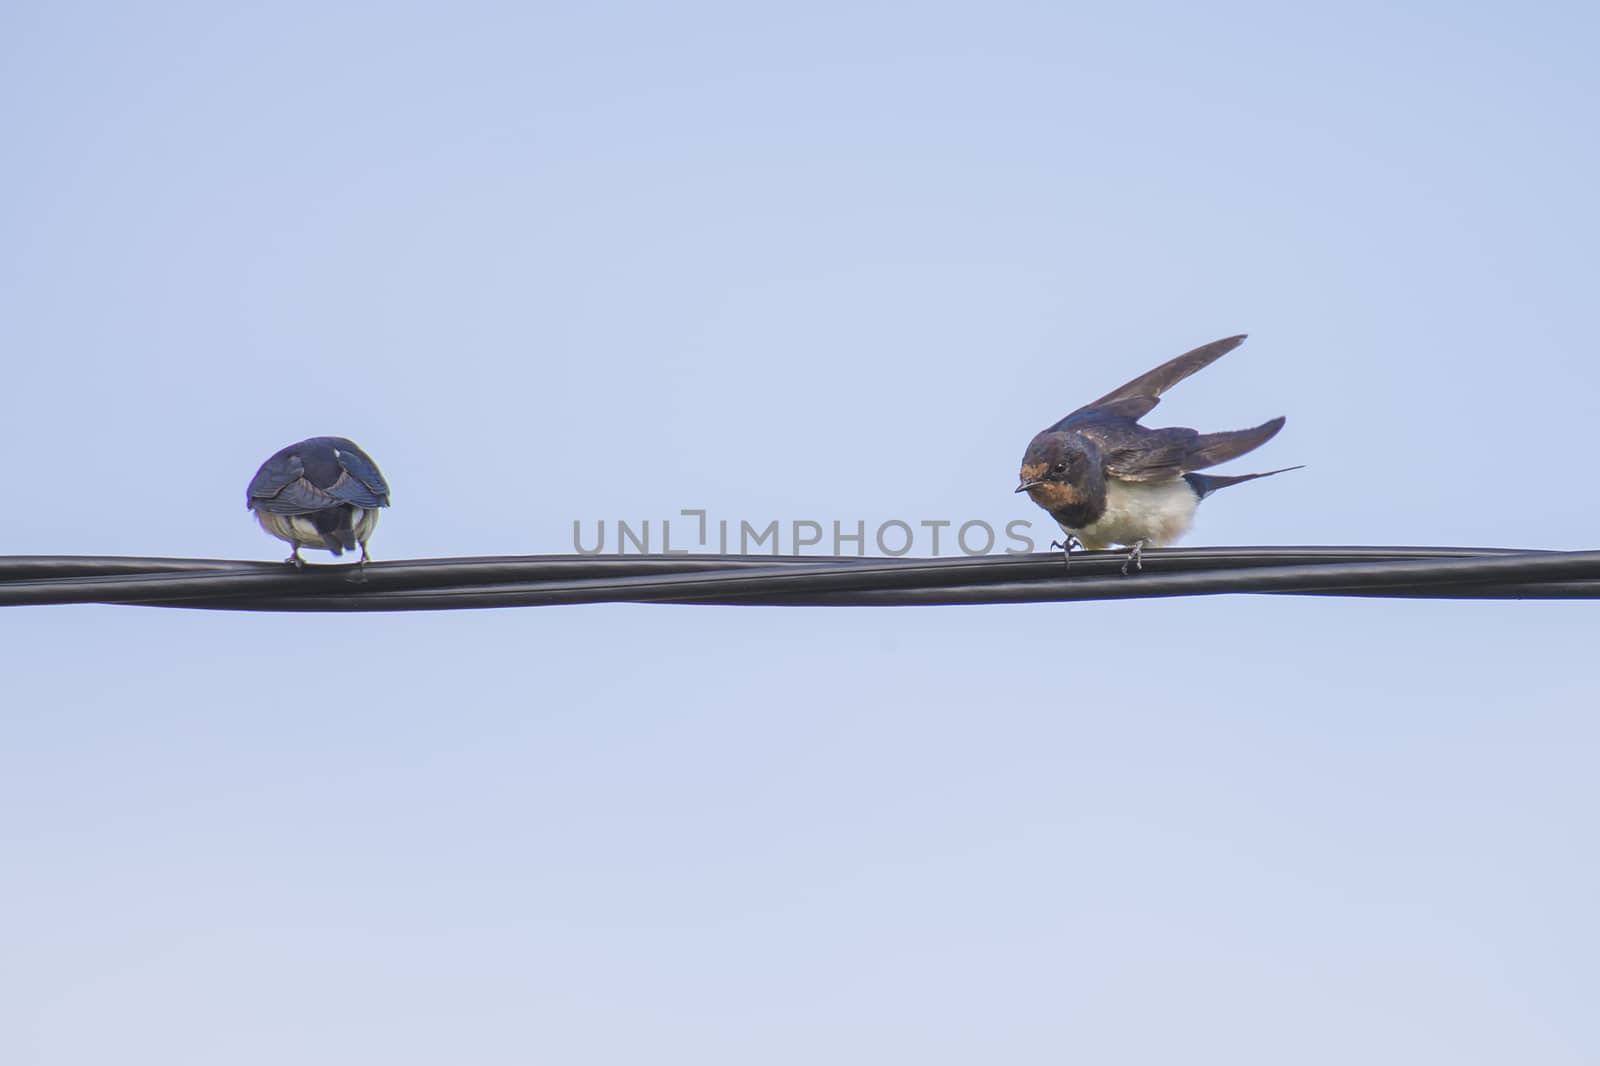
{"points": [[1108, 480], [320, 493]]}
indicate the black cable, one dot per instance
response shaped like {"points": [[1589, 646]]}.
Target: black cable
{"points": [[449, 584]]}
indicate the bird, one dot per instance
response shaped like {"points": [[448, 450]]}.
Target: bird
{"points": [[323, 492], [1107, 480]]}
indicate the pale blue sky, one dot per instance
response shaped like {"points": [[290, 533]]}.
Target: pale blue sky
{"points": [[828, 262]]}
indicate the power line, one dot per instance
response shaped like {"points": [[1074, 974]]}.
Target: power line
{"points": [[556, 580]]}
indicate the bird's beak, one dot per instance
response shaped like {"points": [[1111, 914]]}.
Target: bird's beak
{"points": [[1026, 485]]}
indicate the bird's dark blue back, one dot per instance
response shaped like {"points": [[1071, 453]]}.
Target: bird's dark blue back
{"points": [[316, 473]]}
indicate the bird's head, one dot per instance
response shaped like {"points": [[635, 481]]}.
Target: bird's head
{"points": [[1060, 469]]}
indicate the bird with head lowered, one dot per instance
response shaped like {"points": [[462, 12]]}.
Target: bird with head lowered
{"points": [[1107, 480], [319, 493]]}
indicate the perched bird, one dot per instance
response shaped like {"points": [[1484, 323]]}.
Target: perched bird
{"points": [[320, 493], [1108, 480]]}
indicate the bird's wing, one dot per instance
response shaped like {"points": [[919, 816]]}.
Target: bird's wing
{"points": [[280, 487], [1139, 397], [360, 483], [1133, 453], [1214, 448]]}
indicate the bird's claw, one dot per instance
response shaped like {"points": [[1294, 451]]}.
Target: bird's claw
{"points": [[361, 567], [1067, 547], [1134, 559]]}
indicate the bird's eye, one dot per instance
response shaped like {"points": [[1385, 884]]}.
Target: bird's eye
{"points": [[1061, 468]]}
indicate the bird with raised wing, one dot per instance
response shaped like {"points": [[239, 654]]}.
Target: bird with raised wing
{"points": [[319, 493], [1107, 480]]}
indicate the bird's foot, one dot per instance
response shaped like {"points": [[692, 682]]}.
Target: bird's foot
{"points": [[294, 559], [1067, 547], [1134, 559]]}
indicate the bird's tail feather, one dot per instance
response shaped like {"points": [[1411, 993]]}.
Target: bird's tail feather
{"points": [[336, 524], [1205, 484]]}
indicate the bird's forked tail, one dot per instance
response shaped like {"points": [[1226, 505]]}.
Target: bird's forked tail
{"points": [[1205, 484]]}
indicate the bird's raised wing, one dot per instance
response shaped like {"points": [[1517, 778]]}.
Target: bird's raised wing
{"points": [[1139, 397]]}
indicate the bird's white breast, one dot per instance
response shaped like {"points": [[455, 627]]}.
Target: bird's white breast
{"points": [[293, 529], [1157, 513], [301, 530]]}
